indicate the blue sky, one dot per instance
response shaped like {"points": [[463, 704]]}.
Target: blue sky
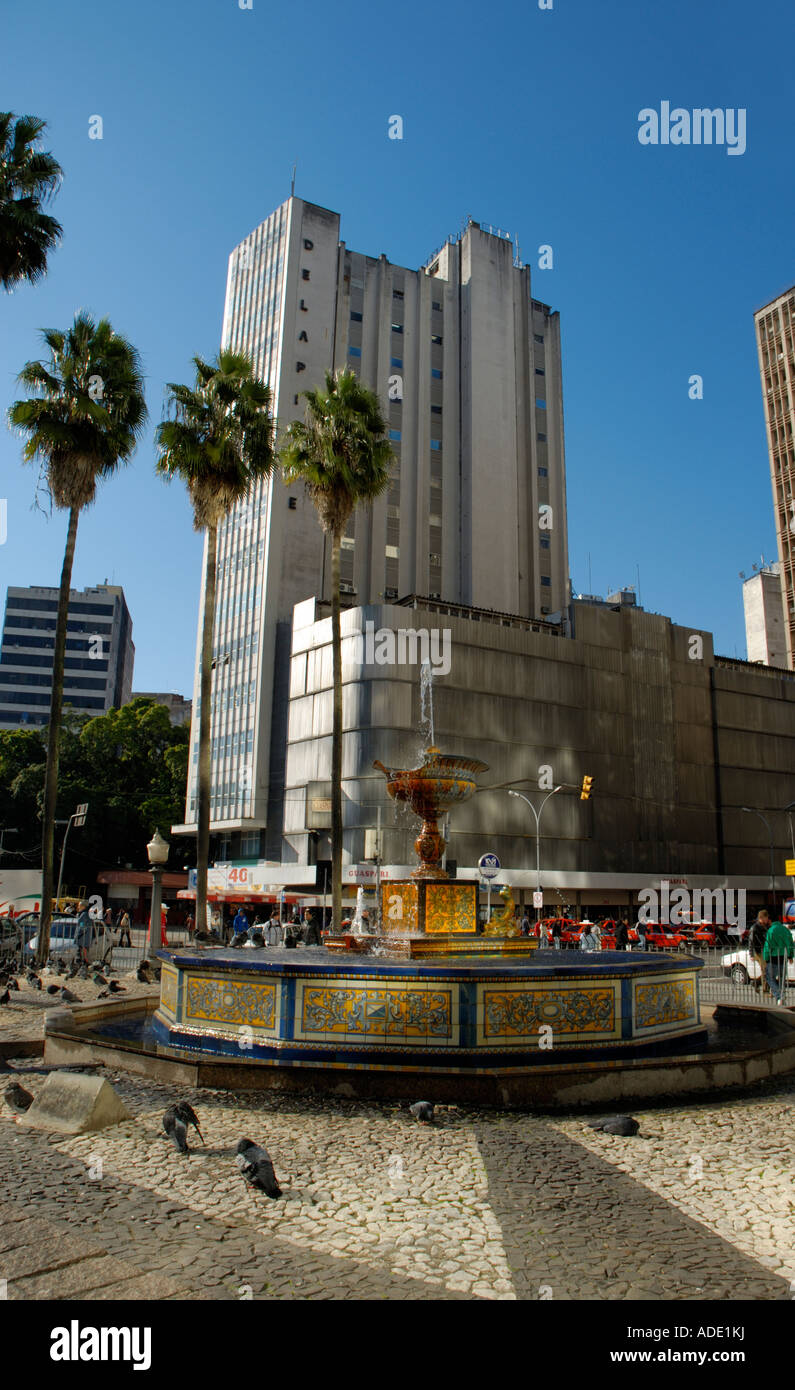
{"points": [[520, 117]]}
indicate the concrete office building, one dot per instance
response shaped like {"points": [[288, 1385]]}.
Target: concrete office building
{"points": [[99, 658], [468, 368], [775, 338], [677, 740], [179, 709], [765, 629]]}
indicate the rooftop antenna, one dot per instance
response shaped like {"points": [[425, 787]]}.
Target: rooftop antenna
{"points": [[292, 184], [637, 576], [590, 584]]}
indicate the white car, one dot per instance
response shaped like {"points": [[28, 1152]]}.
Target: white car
{"points": [[62, 940], [743, 969]]}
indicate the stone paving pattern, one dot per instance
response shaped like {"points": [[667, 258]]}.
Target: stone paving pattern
{"points": [[484, 1204]]}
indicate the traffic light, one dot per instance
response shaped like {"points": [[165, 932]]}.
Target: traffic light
{"points": [[587, 783]]}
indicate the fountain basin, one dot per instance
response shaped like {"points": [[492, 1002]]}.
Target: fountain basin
{"points": [[362, 1011]]}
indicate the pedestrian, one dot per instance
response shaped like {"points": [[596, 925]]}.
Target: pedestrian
{"points": [[240, 927], [622, 936], [556, 930], [640, 928], [163, 921], [312, 930], [190, 923], [124, 928], [596, 931], [84, 933], [778, 950], [588, 942], [756, 946], [274, 930], [524, 925], [107, 918]]}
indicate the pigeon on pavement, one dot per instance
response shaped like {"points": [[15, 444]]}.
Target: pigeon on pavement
{"points": [[115, 987], [622, 1125], [256, 1168], [53, 989], [18, 1098], [176, 1129], [68, 997], [423, 1111], [5, 997]]}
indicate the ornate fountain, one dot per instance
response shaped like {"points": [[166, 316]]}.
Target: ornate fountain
{"points": [[443, 780]]}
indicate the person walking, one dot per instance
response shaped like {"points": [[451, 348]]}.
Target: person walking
{"points": [[274, 930], [622, 936], [524, 926], [556, 930], [778, 951], [163, 922], [640, 928], [312, 930], [588, 942], [124, 928], [240, 927], [756, 945]]}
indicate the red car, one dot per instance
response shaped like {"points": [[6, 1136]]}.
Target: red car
{"points": [[663, 937]]}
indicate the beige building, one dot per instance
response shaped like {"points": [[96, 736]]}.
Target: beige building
{"points": [[775, 338], [468, 368], [765, 630]]}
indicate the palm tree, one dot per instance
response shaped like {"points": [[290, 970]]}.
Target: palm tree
{"points": [[341, 453], [82, 421], [219, 443], [28, 177]]}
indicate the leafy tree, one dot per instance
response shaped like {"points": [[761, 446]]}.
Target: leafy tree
{"points": [[28, 177], [342, 455], [82, 420], [220, 443]]}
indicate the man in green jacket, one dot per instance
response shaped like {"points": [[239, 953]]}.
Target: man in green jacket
{"points": [[778, 950]]}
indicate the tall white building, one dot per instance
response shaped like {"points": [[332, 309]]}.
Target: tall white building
{"points": [[468, 368], [775, 341], [765, 629]]}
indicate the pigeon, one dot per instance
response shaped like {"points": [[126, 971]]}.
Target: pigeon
{"points": [[53, 989], [176, 1129], [60, 967], [142, 975], [12, 982], [68, 997], [423, 1111], [104, 994], [115, 988], [18, 1098], [98, 979], [73, 969], [623, 1125], [256, 1168], [5, 997], [82, 973], [33, 980], [186, 1114]]}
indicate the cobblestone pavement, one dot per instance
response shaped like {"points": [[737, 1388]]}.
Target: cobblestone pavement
{"points": [[482, 1205]]}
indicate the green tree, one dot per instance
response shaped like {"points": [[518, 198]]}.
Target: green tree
{"points": [[28, 177], [83, 419], [341, 453], [220, 443]]}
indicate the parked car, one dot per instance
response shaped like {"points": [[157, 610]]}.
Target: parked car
{"points": [[664, 937], [608, 928], [62, 939], [743, 968]]}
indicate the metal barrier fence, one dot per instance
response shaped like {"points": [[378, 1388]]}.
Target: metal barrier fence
{"points": [[732, 975]]}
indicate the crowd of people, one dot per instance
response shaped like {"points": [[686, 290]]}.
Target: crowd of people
{"points": [[247, 925]]}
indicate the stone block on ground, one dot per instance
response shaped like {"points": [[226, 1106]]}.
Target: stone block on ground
{"points": [[73, 1103]]}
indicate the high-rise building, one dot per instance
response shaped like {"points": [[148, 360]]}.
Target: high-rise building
{"points": [[775, 338], [98, 665], [765, 634], [179, 709], [468, 368]]}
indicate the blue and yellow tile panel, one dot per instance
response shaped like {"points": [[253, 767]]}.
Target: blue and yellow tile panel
{"points": [[664, 1005], [396, 1012], [515, 1014]]}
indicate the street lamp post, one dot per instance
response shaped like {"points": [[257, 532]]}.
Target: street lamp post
{"points": [[789, 810], [537, 814], [157, 851], [752, 811]]}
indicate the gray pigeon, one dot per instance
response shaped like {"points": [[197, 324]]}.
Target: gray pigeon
{"points": [[18, 1098], [256, 1168], [68, 997], [176, 1129], [623, 1125], [98, 979], [12, 982], [5, 997], [115, 987], [185, 1113], [423, 1111]]}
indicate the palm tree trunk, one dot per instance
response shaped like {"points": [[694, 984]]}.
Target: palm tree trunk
{"points": [[205, 724], [336, 738], [53, 744]]}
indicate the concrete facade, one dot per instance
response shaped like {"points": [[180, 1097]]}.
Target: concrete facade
{"points": [[676, 739], [765, 630], [468, 368], [775, 341]]}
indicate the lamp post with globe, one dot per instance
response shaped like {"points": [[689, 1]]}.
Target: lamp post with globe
{"points": [[157, 851]]}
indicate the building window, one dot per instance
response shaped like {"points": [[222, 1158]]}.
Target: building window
{"points": [[355, 317], [539, 370], [537, 338], [544, 542], [354, 352], [396, 361], [546, 581], [436, 373], [392, 552], [390, 593], [542, 405], [436, 444], [397, 294], [436, 410], [348, 542], [434, 560], [397, 327], [394, 434], [437, 338], [542, 439], [435, 304], [543, 472], [305, 275]]}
